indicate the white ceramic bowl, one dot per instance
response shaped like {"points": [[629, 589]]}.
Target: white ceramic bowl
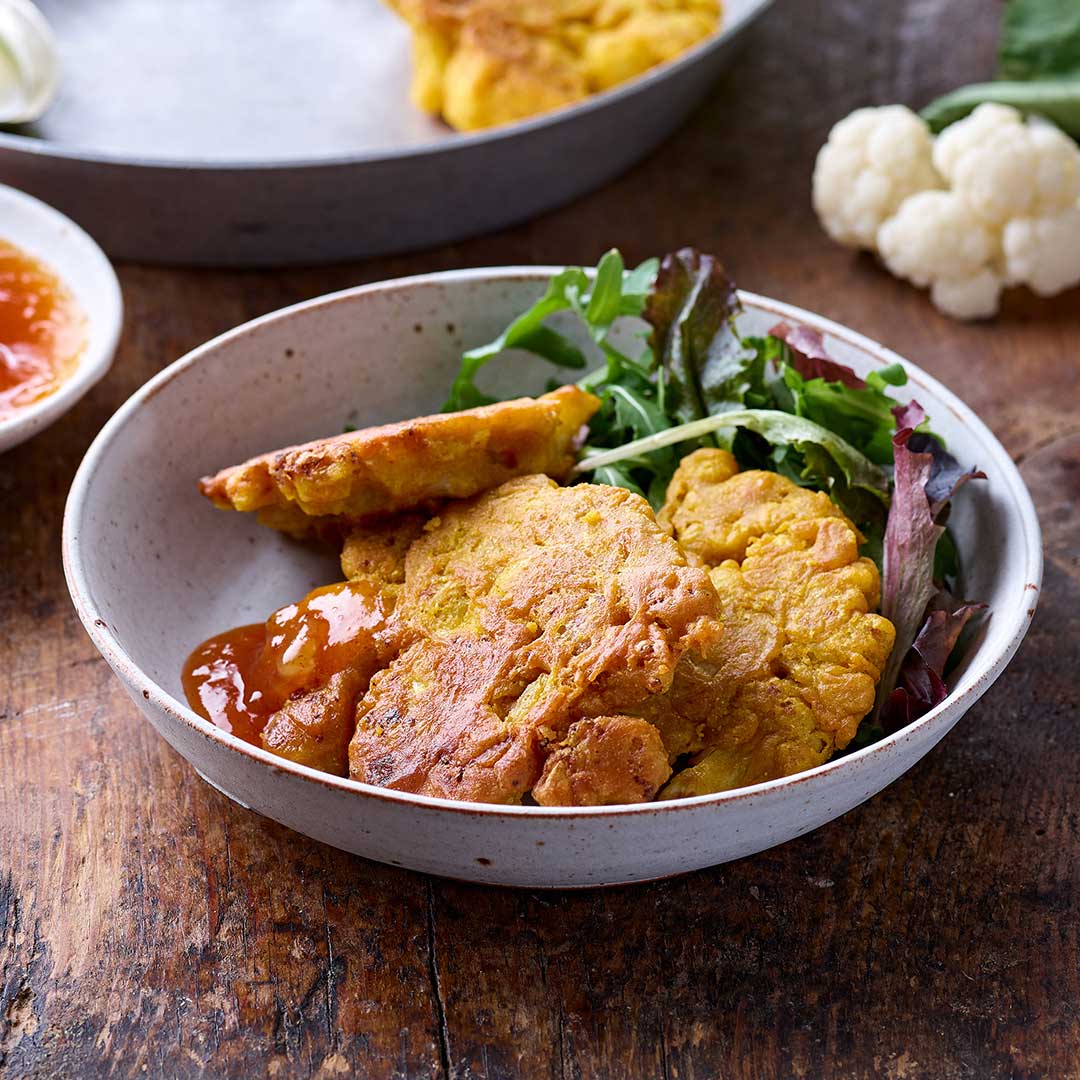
{"points": [[153, 570], [80, 264]]}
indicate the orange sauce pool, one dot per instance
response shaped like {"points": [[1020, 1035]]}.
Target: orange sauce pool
{"points": [[42, 330], [239, 678]]}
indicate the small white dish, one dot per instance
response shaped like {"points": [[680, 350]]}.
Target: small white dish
{"points": [[81, 265], [153, 570]]}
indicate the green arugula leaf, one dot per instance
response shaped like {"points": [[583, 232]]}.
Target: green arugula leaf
{"points": [[525, 332], [612, 293], [863, 417], [778, 428], [891, 375], [636, 286], [605, 300]]}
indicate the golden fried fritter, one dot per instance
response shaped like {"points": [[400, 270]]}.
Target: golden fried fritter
{"points": [[320, 654], [288, 518], [410, 464], [377, 550], [802, 651], [604, 761], [314, 727], [524, 610], [479, 63]]}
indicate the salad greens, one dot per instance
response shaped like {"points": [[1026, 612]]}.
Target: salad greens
{"points": [[778, 428], [777, 402], [925, 478], [598, 304], [690, 304]]}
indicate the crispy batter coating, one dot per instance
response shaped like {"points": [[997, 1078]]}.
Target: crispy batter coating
{"points": [[479, 63], [410, 464], [605, 761], [319, 657], [802, 651], [377, 550], [314, 727], [524, 610], [288, 518]]}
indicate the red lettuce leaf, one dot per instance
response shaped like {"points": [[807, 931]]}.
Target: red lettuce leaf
{"points": [[925, 478], [946, 473], [911, 535], [689, 306], [810, 358], [921, 682], [910, 416]]}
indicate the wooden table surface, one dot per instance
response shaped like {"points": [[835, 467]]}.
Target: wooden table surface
{"points": [[152, 928]]}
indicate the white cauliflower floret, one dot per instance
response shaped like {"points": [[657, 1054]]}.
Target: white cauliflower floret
{"points": [[934, 239], [995, 179], [975, 130], [933, 235], [1057, 178], [873, 160], [1044, 252], [1004, 168], [974, 297], [1010, 214]]}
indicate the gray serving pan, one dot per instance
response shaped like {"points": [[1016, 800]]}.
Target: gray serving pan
{"points": [[270, 132]]}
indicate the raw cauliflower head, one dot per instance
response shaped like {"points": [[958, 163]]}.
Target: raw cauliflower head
{"points": [[935, 240], [873, 160], [1009, 214], [1044, 252], [1004, 168]]}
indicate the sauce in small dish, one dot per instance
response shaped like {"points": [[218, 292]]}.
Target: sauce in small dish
{"points": [[43, 330]]}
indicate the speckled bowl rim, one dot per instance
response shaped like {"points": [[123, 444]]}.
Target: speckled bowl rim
{"points": [[982, 672], [107, 319]]}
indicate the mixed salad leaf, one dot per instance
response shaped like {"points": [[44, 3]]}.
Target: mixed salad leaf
{"points": [[690, 303], [925, 478], [778, 402]]}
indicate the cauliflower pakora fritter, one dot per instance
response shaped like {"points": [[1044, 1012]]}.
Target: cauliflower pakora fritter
{"points": [[410, 464], [802, 650], [314, 727], [602, 761], [323, 651], [524, 612], [376, 551], [479, 63]]}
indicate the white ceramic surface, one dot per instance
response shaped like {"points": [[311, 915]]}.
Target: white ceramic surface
{"points": [[74, 257], [154, 569]]}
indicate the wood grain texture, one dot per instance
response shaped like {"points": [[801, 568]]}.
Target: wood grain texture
{"points": [[149, 927]]}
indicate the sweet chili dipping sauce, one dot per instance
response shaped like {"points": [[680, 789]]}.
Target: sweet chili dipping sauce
{"points": [[42, 330], [238, 679]]}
